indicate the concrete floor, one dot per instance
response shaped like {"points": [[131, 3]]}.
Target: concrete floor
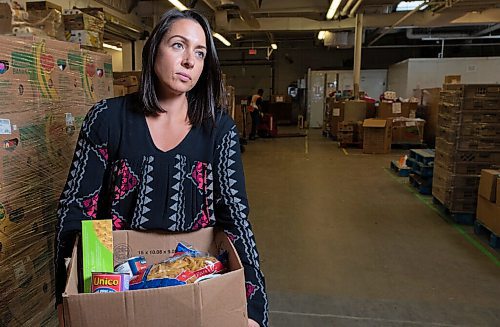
{"points": [[343, 242]]}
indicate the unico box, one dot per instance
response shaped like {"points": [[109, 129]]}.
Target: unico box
{"points": [[217, 302]]}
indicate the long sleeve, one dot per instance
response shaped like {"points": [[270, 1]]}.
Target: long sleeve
{"points": [[81, 194], [231, 213]]}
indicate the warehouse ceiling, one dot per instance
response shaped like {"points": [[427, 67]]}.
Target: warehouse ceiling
{"points": [[261, 22]]}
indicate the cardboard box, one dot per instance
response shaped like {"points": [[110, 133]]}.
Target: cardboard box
{"points": [[127, 81], [377, 136], [5, 18], [119, 90], [86, 38], [396, 109], [498, 192], [430, 103], [452, 79], [216, 302], [489, 214], [83, 22], [488, 184], [42, 5], [407, 130], [354, 111]]}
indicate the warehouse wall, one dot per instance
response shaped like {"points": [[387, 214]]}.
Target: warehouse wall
{"points": [[408, 77], [292, 59]]}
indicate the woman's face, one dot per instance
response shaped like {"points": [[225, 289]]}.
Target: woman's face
{"points": [[180, 58]]}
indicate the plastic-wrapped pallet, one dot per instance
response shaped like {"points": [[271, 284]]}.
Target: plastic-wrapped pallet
{"points": [[46, 88]]}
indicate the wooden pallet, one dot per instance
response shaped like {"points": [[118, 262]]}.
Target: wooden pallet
{"points": [[400, 171], [466, 218], [480, 229]]}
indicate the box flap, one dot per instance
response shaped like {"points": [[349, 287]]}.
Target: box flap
{"points": [[488, 184], [380, 123]]}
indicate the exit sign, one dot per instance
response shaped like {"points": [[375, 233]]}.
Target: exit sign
{"points": [[252, 52]]}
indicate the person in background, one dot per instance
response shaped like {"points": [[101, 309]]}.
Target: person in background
{"points": [[255, 111], [165, 158]]}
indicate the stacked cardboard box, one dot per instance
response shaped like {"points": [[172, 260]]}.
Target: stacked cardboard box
{"points": [[84, 29], [407, 130], [346, 133], [468, 140], [126, 83], [488, 201], [42, 106], [345, 111], [396, 109], [430, 104], [377, 136]]}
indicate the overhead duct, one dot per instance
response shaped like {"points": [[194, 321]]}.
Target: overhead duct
{"points": [[412, 36], [344, 39]]}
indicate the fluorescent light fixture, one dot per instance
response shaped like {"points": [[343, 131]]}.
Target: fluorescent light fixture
{"points": [[112, 47], [222, 39], [334, 6], [178, 5], [410, 5], [321, 35], [274, 46]]}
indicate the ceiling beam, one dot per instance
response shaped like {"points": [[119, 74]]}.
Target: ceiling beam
{"points": [[419, 19]]}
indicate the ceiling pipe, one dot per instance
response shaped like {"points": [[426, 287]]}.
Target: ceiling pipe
{"points": [[488, 30], [402, 19], [347, 6], [209, 4], [354, 9], [489, 37]]}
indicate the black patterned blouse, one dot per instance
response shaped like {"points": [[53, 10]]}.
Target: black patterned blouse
{"points": [[118, 171]]}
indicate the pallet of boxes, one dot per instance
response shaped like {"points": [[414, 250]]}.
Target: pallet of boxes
{"points": [[468, 140], [395, 124], [346, 119], [126, 82], [149, 279], [41, 18], [85, 26], [45, 92]]}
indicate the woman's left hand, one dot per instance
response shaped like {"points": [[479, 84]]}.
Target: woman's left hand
{"points": [[252, 323]]}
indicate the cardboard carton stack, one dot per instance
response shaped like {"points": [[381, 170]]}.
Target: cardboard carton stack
{"points": [[488, 201], [126, 82], [468, 141], [84, 29], [42, 106], [45, 18], [345, 111], [430, 104], [377, 136]]}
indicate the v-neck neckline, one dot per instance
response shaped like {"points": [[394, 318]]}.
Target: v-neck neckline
{"points": [[152, 142]]}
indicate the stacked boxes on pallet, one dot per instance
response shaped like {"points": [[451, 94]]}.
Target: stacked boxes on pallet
{"points": [[468, 140], [46, 87], [345, 133], [421, 162]]}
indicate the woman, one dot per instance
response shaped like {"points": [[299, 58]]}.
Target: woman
{"points": [[166, 158]]}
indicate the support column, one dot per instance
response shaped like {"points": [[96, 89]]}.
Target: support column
{"points": [[357, 54]]}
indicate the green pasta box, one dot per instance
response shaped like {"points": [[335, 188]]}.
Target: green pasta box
{"points": [[97, 249]]}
